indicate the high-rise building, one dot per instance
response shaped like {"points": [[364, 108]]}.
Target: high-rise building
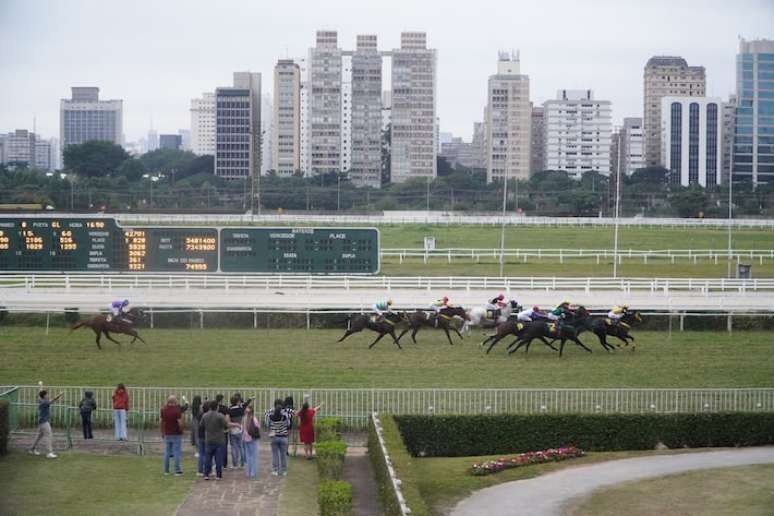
{"points": [[267, 116], [185, 139], [203, 125], [753, 159], [477, 146], [508, 121], [25, 148], [306, 163], [632, 145], [84, 117], [578, 131], [238, 127], [458, 152], [729, 119], [286, 118], [170, 141], [414, 145], [537, 157], [366, 113], [324, 105], [346, 111], [666, 75], [152, 141], [691, 139]]}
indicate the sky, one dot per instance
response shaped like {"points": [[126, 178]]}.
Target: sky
{"points": [[158, 55]]}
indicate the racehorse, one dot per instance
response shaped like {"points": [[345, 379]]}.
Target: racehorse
{"points": [[564, 331], [602, 327], [443, 320], [107, 324], [514, 328], [477, 316], [359, 322]]}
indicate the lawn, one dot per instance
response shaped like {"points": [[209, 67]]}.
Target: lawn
{"points": [[445, 481], [309, 359], [714, 492], [299, 495], [84, 484]]}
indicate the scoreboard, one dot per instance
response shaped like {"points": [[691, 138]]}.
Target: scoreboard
{"points": [[101, 245]]}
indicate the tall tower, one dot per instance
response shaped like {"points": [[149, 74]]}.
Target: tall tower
{"points": [[414, 131], [666, 75], [84, 117], [203, 125], [238, 127], [286, 120], [508, 121], [324, 104], [366, 139]]}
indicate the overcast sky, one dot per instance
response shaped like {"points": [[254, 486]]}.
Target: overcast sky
{"points": [[157, 55]]}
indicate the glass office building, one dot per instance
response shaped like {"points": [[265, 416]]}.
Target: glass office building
{"points": [[753, 157]]}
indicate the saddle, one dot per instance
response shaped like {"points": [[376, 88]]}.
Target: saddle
{"points": [[493, 314]]}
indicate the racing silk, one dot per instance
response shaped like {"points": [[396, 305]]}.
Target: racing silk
{"points": [[117, 308], [616, 313], [438, 304], [528, 314], [381, 307]]}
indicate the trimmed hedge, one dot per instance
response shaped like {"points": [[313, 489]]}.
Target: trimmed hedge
{"points": [[330, 459], [5, 415], [327, 429], [458, 436], [402, 462], [334, 498]]}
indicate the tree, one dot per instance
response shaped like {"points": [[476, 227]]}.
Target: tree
{"points": [[689, 202], [132, 169], [94, 158]]}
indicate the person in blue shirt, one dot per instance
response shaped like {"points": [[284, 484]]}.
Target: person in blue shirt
{"points": [[44, 426]]}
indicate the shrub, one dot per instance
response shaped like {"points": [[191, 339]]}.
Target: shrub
{"points": [[334, 498], [5, 415], [455, 436], [3, 313], [327, 429], [402, 462], [330, 459]]}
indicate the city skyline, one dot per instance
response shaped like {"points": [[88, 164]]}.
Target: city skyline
{"points": [[152, 57]]}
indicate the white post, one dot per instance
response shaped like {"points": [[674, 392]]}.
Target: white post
{"points": [[502, 226], [617, 213]]}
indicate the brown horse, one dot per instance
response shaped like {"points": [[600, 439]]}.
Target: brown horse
{"points": [[443, 319], [107, 323], [514, 328], [385, 326]]}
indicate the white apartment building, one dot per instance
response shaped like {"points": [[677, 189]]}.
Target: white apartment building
{"points": [[286, 128], [691, 139], [414, 131], [508, 121], [666, 76], [632, 142], [325, 105], [24, 147], [366, 113], [84, 117], [578, 129], [203, 125], [537, 158]]}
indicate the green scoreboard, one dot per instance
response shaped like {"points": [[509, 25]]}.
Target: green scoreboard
{"points": [[101, 245]]}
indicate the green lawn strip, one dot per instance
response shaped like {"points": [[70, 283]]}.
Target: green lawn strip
{"points": [[712, 492], [299, 495], [445, 481], [688, 360], [85, 484]]}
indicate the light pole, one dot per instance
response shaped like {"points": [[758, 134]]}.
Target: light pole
{"points": [[617, 214], [730, 217], [502, 226], [338, 191], [63, 176], [152, 180], [427, 196]]}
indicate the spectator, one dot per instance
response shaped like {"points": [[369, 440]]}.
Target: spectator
{"points": [[223, 409], [44, 425], [278, 424], [215, 428], [120, 408], [235, 413], [86, 407], [196, 416], [306, 427], [171, 423], [251, 432], [200, 442], [288, 408]]}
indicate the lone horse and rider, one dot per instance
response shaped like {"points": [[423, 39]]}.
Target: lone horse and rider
{"points": [[120, 320]]}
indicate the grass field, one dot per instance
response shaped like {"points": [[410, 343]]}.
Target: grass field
{"points": [[740, 490], [78, 484], [309, 359]]}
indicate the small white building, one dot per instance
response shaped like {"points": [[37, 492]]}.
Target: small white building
{"points": [[203, 125], [691, 139]]}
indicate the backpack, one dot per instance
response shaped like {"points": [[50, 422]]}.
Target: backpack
{"points": [[252, 429]]}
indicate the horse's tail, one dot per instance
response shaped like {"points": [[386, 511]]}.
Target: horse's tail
{"points": [[79, 324]]}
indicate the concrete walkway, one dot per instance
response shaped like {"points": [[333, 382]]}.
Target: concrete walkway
{"points": [[359, 473], [551, 494]]}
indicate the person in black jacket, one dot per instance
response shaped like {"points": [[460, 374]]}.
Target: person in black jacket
{"points": [[87, 405]]}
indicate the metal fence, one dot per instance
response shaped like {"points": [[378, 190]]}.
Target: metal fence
{"points": [[385, 283], [354, 406]]}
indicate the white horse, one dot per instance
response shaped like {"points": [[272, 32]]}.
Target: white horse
{"points": [[477, 315]]}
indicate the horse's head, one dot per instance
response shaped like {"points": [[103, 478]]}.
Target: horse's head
{"points": [[514, 305], [633, 316], [454, 311], [581, 312], [136, 313]]}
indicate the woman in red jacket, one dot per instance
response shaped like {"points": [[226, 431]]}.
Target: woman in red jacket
{"points": [[306, 427], [120, 407]]}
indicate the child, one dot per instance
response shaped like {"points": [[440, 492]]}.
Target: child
{"points": [[87, 406]]}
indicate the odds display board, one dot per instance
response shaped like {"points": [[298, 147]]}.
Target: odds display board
{"points": [[101, 245]]}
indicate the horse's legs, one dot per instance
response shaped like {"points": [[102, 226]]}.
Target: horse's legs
{"points": [[495, 340], [448, 337], [561, 346], [99, 333], [579, 343], [457, 332], [403, 333], [137, 337], [518, 342], [346, 334], [414, 334], [107, 334], [392, 334], [549, 344], [378, 339]]}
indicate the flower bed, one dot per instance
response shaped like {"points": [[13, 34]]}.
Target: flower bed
{"points": [[525, 459]]}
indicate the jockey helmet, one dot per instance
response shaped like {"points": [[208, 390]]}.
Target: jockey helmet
{"points": [[445, 299], [625, 307], [125, 302], [500, 297], [566, 302], [536, 308], [389, 301]]}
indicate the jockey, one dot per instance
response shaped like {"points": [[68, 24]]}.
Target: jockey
{"points": [[529, 314], [560, 312], [440, 304], [382, 307], [119, 308], [617, 313], [496, 303]]}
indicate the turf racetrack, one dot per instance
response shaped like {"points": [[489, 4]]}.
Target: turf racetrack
{"points": [[309, 359]]}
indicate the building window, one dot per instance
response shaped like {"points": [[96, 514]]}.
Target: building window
{"points": [[676, 140], [693, 143], [712, 143]]}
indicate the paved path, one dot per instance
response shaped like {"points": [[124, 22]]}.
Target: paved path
{"points": [[551, 494], [359, 473]]}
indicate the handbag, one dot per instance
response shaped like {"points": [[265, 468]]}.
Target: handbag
{"points": [[252, 429]]}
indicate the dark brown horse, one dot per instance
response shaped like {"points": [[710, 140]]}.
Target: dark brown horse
{"points": [[386, 326], [565, 330], [443, 319], [107, 324], [515, 328]]}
